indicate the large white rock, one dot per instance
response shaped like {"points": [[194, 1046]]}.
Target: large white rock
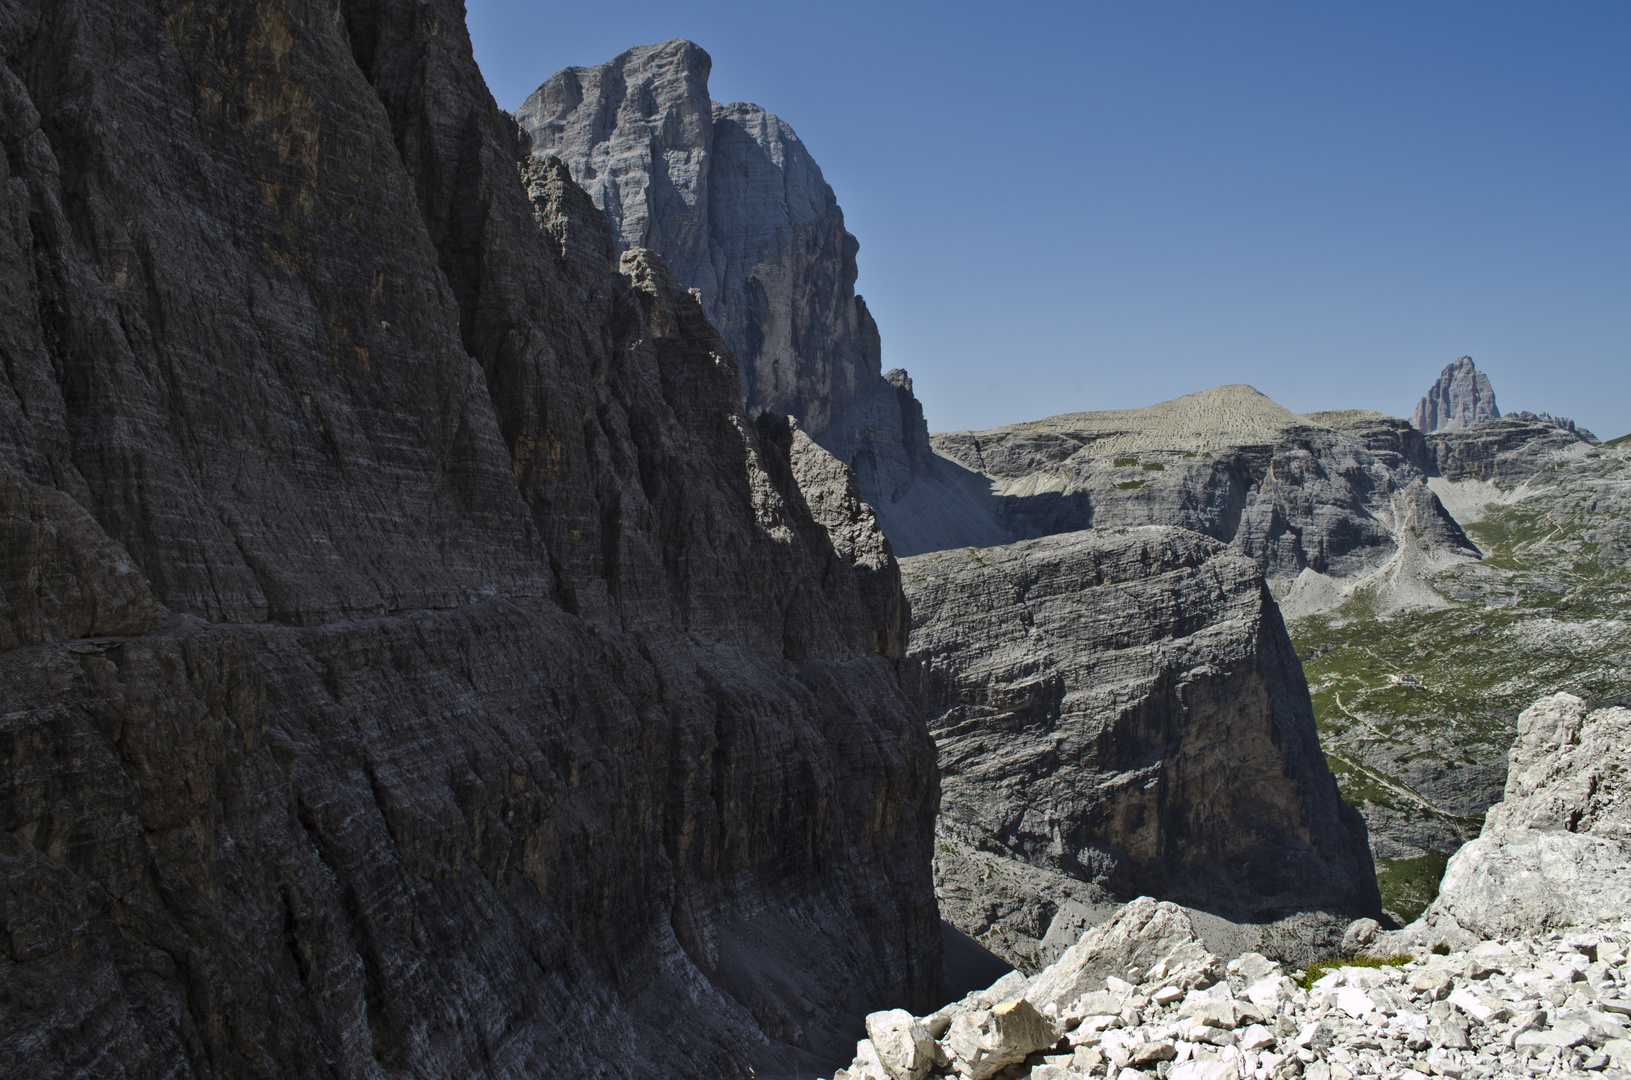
{"points": [[1141, 935], [904, 1046], [1267, 994], [1567, 770], [983, 1043], [1556, 851]]}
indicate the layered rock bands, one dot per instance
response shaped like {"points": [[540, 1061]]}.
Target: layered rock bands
{"points": [[415, 660], [1118, 712]]}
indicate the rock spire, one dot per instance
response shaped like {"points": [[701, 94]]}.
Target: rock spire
{"points": [[1460, 398]]}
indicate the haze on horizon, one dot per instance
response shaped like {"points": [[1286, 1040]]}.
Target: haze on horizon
{"points": [[1096, 206]]}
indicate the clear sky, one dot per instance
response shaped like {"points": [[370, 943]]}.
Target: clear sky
{"points": [[1069, 206]]}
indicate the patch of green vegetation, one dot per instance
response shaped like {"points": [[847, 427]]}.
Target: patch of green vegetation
{"points": [[1615, 444], [1440, 949], [1191, 453], [1125, 462], [1544, 610], [1129, 485], [999, 934], [1409, 885], [1320, 968], [1360, 785], [1153, 466]]}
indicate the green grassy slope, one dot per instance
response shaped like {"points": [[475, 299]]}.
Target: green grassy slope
{"points": [[1545, 610]]}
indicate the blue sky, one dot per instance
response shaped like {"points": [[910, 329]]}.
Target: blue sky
{"points": [[1067, 206]]}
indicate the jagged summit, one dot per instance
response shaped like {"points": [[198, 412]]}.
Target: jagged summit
{"points": [[732, 200], [1463, 397], [1562, 423], [1460, 398], [1234, 415]]}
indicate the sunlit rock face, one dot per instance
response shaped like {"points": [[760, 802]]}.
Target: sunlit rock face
{"points": [[413, 659], [1337, 499], [1461, 397], [742, 214], [1119, 711]]}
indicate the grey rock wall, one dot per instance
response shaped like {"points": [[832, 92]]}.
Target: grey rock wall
{"points": [[1341, 499], [1461, 397], [1555, 421], [732, 200], [1555, 852], [1119, 712], [1506, 451], [414, 661]]}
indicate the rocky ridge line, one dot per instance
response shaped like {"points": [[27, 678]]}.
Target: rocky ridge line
{"points": [[1342, 499], [1555, 421]]}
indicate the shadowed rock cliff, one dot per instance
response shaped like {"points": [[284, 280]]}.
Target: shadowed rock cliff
{"points": [[416, 663], [1120, 712]]}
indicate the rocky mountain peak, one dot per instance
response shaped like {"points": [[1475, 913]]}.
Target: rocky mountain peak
{"points": [[651, 179], [733, 201], [1461, 397]]}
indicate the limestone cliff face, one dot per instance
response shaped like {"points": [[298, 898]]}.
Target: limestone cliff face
{"points": [[732, 200], [1507, 450], [1461, 397], [414, 660], [1122, 708], [1340, 499], [1554, 421], [1556, 851]]}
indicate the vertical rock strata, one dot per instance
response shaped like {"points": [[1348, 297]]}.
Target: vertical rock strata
{"points": [[734, 203], [415, 662], [1461, 397], [1122, 708]]}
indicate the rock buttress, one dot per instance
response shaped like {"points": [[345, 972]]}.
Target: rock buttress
{"points": [[415, 661]]}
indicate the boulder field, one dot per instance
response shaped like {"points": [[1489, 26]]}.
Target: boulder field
{"points": [[1519, 968]]}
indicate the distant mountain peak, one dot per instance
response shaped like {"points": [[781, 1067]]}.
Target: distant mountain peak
{"points": [[1460, 398]]}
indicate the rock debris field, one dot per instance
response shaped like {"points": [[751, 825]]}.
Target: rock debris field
{"points": [[1140, 997]]}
